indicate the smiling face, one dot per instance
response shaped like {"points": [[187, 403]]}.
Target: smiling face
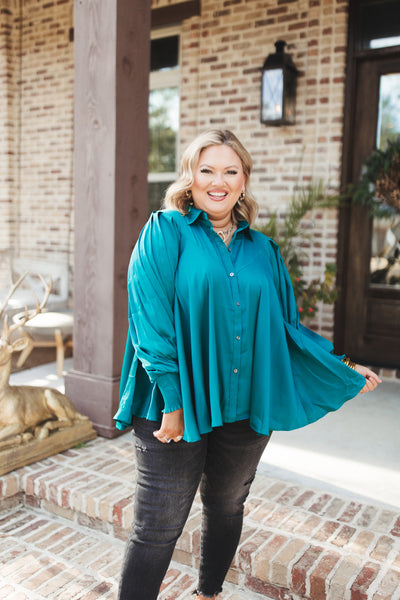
{"points": [[218, 182]]}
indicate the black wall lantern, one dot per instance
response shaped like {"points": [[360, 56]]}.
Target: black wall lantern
{"points": [[278, 88]]}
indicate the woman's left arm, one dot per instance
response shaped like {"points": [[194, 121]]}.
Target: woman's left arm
{"points": [[291, 315]]}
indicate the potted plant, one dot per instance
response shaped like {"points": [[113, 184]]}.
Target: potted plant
{"points": [[291, 237]]}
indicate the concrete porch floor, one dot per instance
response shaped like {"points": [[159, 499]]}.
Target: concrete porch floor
{"points": [[323, 518]]}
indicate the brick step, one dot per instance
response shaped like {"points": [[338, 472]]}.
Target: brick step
{"points": [[297, 543], [44, 557]]}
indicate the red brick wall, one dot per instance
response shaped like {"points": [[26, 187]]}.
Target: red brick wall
{"points": [[223, 51], [36, 117], [222, 54], [9, 124], [46, 178]]}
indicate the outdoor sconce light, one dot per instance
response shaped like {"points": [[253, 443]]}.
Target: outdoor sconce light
{"points": [[278, 88]]}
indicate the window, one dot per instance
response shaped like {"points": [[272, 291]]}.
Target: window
{"points": [[163, 113]]}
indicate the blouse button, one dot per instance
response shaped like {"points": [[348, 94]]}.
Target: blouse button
{"points": [[238, 337], [235, 370], [237, 303], [231, 274], [229, 249]]}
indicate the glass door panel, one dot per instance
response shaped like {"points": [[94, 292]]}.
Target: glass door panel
{"points": [[385, 242], [389, 109]]}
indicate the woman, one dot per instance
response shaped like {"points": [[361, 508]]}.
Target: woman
{"points": [[215, 360]]}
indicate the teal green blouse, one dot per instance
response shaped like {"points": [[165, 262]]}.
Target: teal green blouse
{"points": [[215, 330]]}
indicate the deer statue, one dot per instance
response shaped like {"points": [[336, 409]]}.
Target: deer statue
{"points": [[28, 412]]}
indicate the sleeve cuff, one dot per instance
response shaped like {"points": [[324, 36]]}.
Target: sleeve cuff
{"points": [[170, 388]]}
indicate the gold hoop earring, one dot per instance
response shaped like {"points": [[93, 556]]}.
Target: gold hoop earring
{"points": [[242, 197], [189, 197]]}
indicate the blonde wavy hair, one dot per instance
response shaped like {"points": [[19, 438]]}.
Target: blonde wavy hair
{"points": [[177, 197]]}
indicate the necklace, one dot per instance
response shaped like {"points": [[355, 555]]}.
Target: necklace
{"points": [[225, 233]]}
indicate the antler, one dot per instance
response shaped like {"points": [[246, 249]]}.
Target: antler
{"points": [[7, 331]]}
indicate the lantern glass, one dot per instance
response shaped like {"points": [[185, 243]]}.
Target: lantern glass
{"points": [[278, 88], [272, 95]]}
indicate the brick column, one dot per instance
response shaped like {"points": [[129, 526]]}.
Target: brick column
{"points": [[111, 141]]}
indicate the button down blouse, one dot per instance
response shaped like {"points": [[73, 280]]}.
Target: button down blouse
{"points": [[215, 331]]}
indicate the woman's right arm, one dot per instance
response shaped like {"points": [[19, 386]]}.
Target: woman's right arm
{"points": [[151, 291]]}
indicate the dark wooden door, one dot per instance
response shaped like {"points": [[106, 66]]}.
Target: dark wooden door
{"points": [[371, 306]]}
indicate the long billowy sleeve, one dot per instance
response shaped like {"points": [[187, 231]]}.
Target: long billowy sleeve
{"points": [[318, 373], [151, 288]]}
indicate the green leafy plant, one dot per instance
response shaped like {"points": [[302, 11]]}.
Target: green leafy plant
{"points": [[291, 236], [379, 185], [80, 445]]}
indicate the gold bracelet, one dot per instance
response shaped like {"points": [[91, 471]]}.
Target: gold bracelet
{"points": [[347, 361]]}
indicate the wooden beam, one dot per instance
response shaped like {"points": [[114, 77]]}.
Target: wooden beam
{"points": [[168, 15], [112, 63]]}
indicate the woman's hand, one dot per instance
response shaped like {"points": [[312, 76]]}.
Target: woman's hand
{"points": [[371, 378], [172, 427]]}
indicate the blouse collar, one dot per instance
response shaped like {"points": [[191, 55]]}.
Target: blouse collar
{"points": [[193, 214]]}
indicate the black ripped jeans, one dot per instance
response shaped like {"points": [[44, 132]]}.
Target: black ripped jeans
{"points": [[224, 463]]}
